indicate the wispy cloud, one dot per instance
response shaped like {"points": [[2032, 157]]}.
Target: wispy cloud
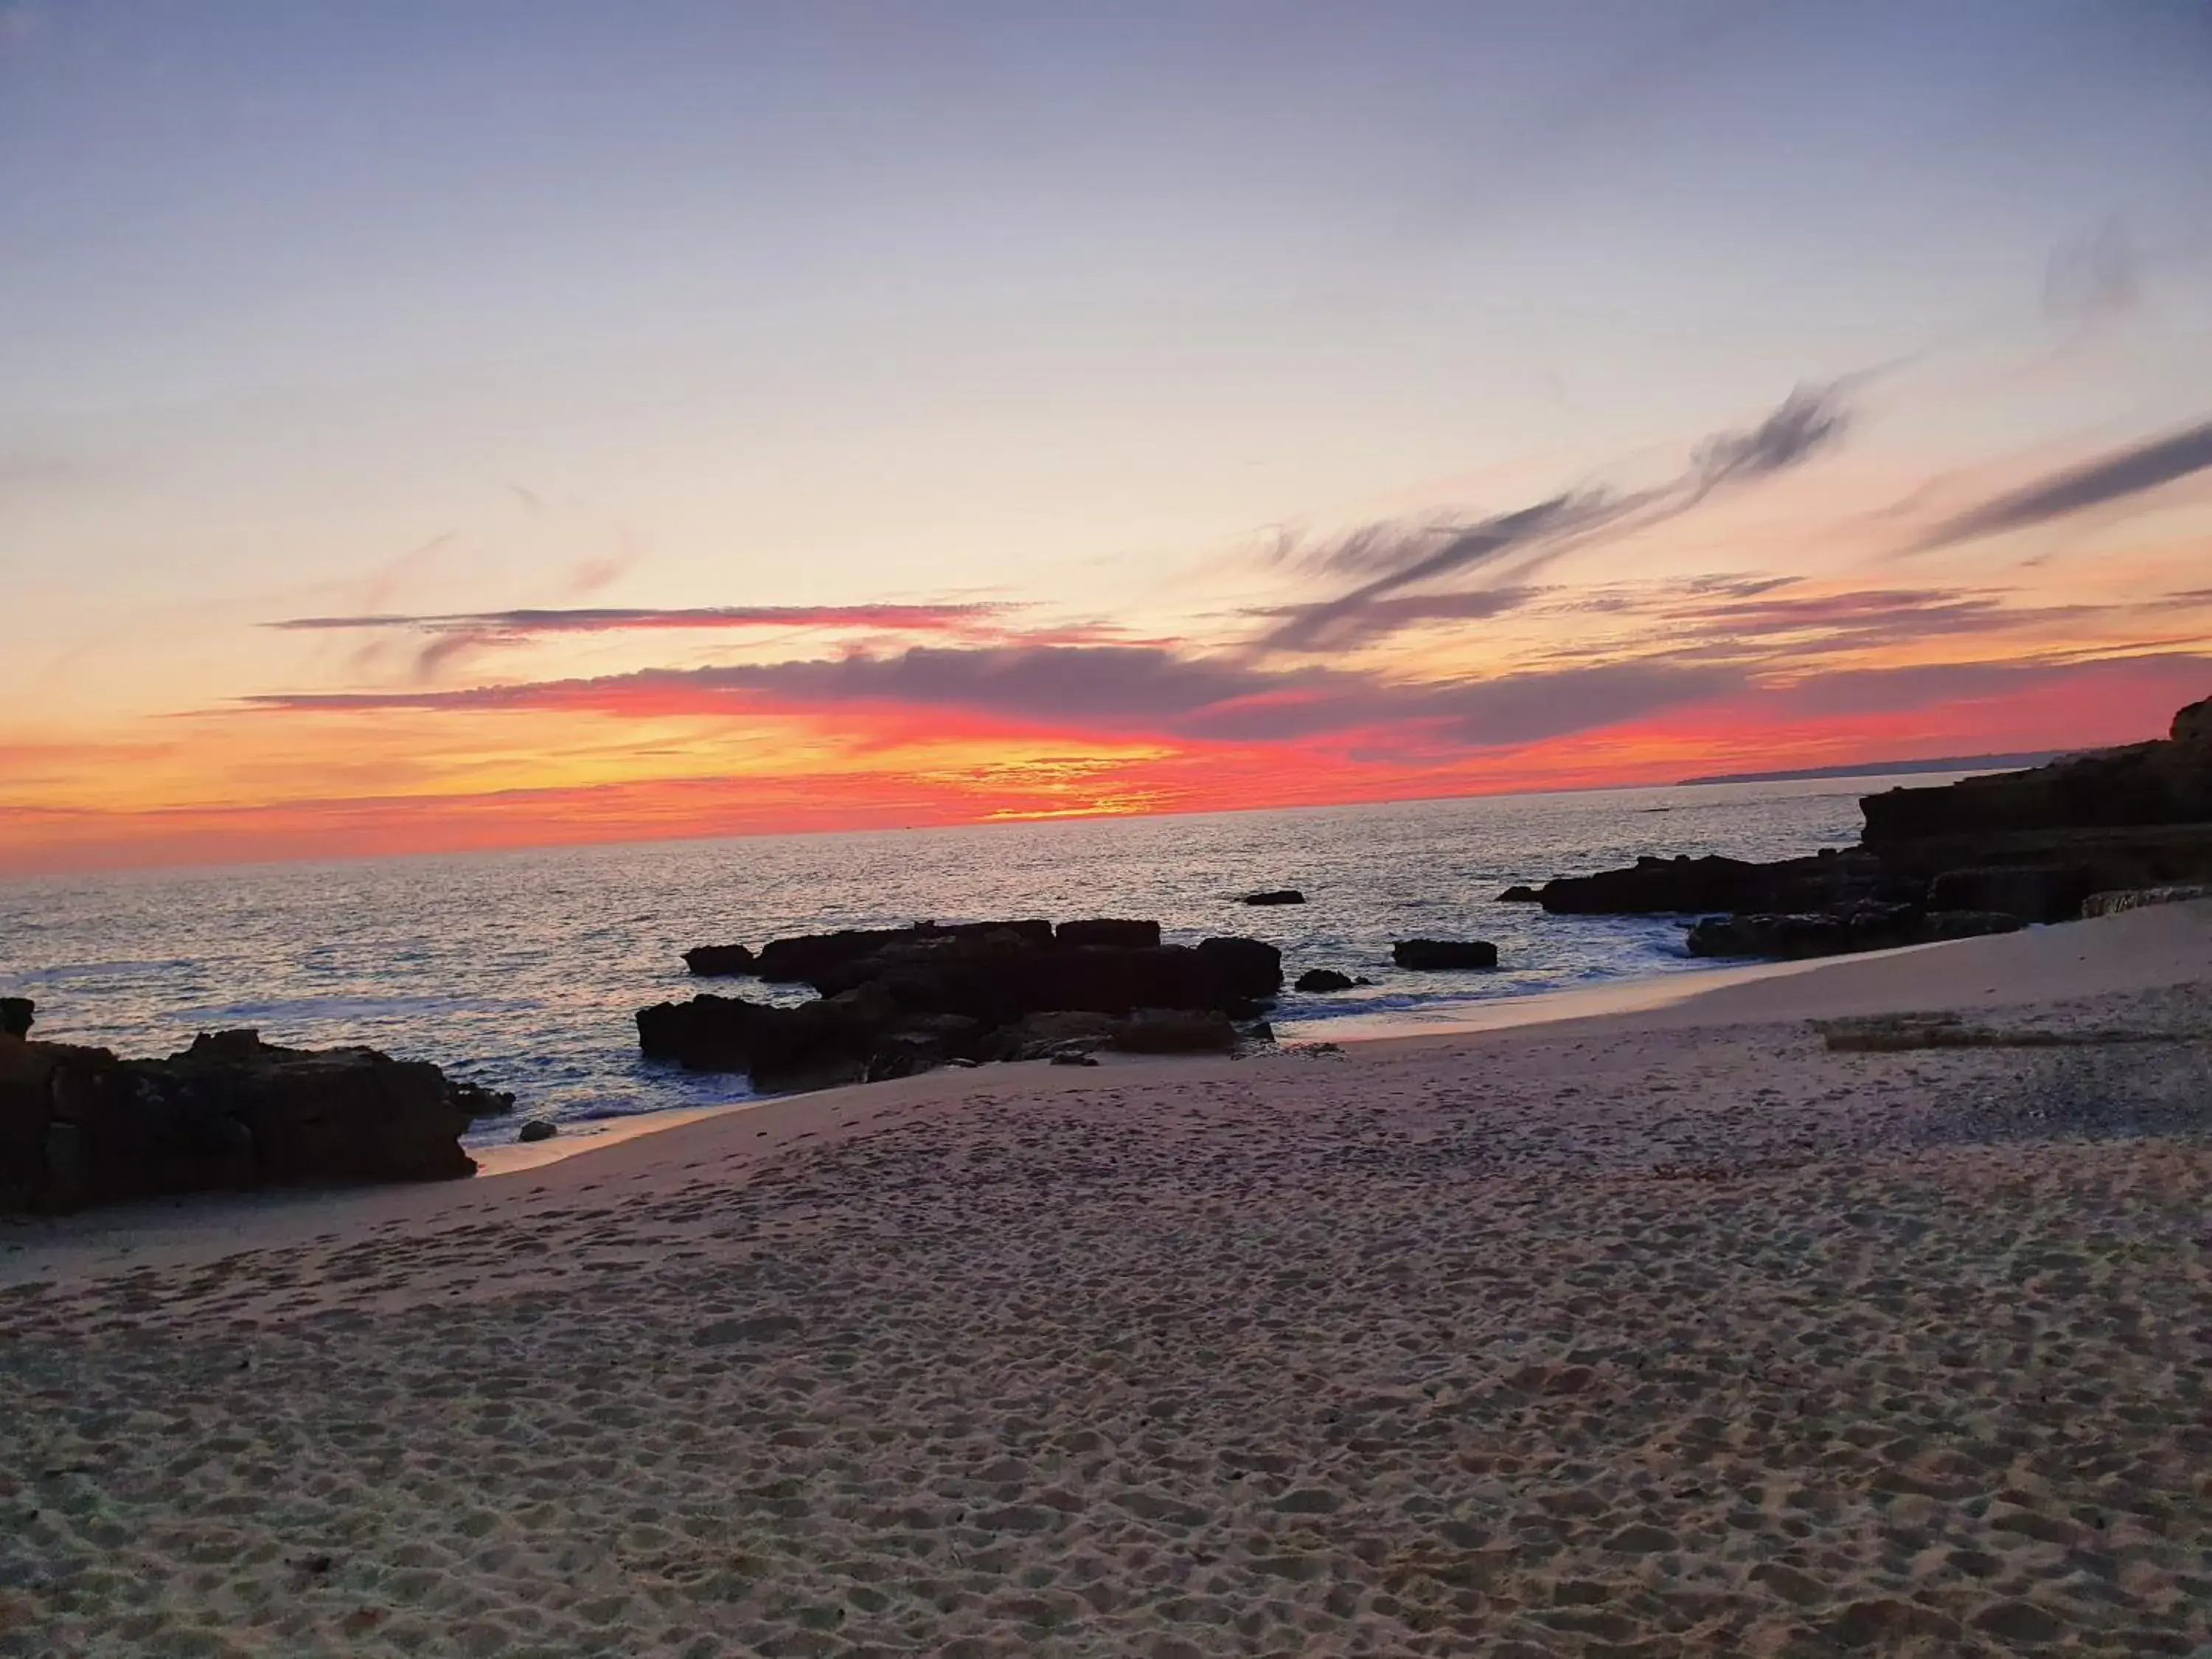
{"points": [[1510, 546], [524, 623], [2094, 278], [2114, 477]]}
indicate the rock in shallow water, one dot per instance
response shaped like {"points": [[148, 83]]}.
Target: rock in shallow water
{"points": [[1435, 954], [1323, 979], [710, 960], [897, 1001]]}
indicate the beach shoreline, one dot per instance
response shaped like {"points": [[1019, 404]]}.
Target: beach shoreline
{"points": [[2142, 949], [1664, 1330]]}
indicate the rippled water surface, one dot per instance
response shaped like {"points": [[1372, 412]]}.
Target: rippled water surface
{"points": [[522, 970]]}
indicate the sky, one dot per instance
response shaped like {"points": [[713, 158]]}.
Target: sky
{"points": [[428, 426]]}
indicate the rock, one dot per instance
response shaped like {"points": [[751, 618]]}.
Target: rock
{"points": [[1825, 933], [896, 1001], [537, 1129], [1323, 979], [16, 1015], [1685, 886], [1432, 954], [707, 960], [2033, 892], [1038, 1037], [1520, 893], [1245, 967], [706, 1034], [2134, 899], [1070, 1057], [1276, 895], [1174, 1031], [80, 1127], [807, 957], [1110, 931], [1939, 925], [1788, 936]]}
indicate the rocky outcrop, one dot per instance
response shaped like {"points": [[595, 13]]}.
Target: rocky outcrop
{"points": [[1323, 979], [1979, 855], [1276, 895], [2143, 785], [1429, 955], [1520, 893], [894, 1000], [80, 1127], [16, 1015]]}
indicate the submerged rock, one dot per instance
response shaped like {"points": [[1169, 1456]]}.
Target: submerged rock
{"points": [[1427, 955], [80, 1127], [1275, 896], [710, 960]]}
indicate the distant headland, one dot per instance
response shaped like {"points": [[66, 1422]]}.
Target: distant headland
{"points": [[1886, 769]]}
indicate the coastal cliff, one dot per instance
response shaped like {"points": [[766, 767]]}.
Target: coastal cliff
{"points": [[1984, 854]]}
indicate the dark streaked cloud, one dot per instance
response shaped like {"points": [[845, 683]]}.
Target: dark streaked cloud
{"points": [[1109, 690], [2132, 472], [1386, 616], [1857, 619], [1512, 545]]}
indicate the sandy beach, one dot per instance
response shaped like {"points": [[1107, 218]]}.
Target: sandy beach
{"points": [[1664, 1331]]}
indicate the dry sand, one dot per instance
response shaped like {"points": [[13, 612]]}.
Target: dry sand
{"points": [[1666, 1332]]}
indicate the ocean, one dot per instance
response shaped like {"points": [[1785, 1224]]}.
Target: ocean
{"points": [[522, 970]]}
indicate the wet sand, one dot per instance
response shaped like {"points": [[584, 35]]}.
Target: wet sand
{"points": [[1667, 1331]]}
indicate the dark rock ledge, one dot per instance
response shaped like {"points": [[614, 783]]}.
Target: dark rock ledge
{"points": [[1983, 855], [80, 1127]]}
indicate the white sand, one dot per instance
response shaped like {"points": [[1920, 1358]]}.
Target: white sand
{"points": [[1659, 1332]]}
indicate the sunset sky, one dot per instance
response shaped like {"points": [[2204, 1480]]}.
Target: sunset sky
{"points": [[436, 426]]}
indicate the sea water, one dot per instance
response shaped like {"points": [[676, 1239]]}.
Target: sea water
{"points": [[522, 970]]}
